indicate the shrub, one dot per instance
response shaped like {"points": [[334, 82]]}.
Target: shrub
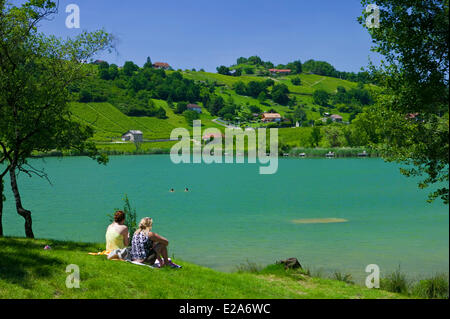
{"points": [[296, 81], [395, 282], [248, 267], [347, 278], [130, 216], [435, 287]]}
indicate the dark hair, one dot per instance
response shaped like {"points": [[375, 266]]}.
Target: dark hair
{"points": [[119, 216]]}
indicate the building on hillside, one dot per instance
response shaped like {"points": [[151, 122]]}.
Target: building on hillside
{"points": [[271, 117], [336, 118], [194, 107], [133, 136], [97, 62], [161, 65], [212, 136], [414, 117], [279, 71]]}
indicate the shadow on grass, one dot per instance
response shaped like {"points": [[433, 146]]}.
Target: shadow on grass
{"points": [[22, 261]]}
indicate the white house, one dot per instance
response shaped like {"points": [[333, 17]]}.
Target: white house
{"points": [[133, 136]]}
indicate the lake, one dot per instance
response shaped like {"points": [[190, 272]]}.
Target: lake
{"points": [[232, 214]]}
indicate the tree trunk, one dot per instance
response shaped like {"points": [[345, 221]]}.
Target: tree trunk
{"points": [[1, 207], [26, 214]]}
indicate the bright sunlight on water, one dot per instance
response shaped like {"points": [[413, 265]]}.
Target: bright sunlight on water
{"points": [[338, 214]]}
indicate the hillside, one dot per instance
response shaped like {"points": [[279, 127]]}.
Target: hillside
{"points": [[110, 121], [29, 271]]}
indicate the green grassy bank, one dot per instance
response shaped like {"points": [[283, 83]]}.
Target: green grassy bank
{"points": [[29, 271]]}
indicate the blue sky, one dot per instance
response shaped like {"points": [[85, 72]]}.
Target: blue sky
{"points": [[208, 33]]}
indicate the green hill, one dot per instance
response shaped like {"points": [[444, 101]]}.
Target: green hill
{"points": [[111, 105], [109, 123], [29, 271]]}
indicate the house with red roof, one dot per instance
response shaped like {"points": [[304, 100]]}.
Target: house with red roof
{"points": [[161, 65], [279, 71], [271, 117]]}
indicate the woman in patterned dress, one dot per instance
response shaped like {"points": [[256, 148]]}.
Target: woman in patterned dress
{"points": [[146, 245]]}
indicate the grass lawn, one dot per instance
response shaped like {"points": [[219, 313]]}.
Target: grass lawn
{"points": [[29, 271]]}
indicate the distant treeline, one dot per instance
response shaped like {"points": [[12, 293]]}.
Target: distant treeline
{"points": [[247, 66]]}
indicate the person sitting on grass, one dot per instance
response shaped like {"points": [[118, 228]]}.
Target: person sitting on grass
{"points": [[147, 246], [117, 236]]}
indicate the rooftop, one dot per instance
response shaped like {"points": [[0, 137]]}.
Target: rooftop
{"points": [[272, 115]]}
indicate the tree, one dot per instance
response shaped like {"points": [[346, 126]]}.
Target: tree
{"points": [[321, 97], [130, 216], [148, 64], [280, 94], [315, 137], [334, 135], [241, 60], [35, 73], [113, 71], [190, 116], [295, 66], [299, 115], [223, 70], [240, 88], [216, 104], [181, 107], [161, 113], [296, 81], [411, 110], [255, 60], [2, 199], [129, 68], [238, 72], [262, 97]]}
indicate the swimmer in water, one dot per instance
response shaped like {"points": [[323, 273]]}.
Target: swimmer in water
{"points": [[186, 189], [172, 190]]}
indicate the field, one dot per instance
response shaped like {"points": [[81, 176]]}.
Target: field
{"points": [[29, 271], [109, 123]]}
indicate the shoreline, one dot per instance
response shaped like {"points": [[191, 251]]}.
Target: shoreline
{"points": [[301, 153], [247, 281]]}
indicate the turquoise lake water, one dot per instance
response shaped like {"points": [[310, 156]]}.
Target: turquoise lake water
{"points": [[232, 214]]}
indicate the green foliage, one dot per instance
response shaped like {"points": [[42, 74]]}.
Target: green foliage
{"points": [[395, 282], [347, 278], [129, 68], [334, 135], [321, 97], [326, 69], [181, 107], [28, 271], [296, 67], [249, 267], [296, 81], [130, 216], [223, 70], [34, 78], [316, 136], [411, 121], [130, 90], [148, 63], [190, 116], [280, 94], [435, 287]]}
